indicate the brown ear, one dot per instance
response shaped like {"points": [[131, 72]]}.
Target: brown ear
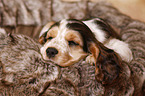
{"points": [[44, 29], [109, 64]]}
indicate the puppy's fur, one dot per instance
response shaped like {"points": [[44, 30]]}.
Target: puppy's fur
{"points": [[68, 55]]}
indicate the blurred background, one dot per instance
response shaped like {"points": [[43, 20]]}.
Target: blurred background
{"points": [[28, 16]]}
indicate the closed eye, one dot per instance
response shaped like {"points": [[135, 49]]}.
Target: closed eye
{"points": [[45, 39], [50, 38], [72, 43]]}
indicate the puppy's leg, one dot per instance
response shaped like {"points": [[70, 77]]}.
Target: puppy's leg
{"points": [[90, 59]]}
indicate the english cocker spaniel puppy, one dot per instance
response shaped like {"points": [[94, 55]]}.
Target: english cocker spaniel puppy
{"points": [[68, 41]]}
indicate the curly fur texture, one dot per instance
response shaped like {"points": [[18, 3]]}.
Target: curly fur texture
{"points": [[23, 72]]}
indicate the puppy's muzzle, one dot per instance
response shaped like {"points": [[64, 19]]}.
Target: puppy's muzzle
{"points": [[51, 52]]}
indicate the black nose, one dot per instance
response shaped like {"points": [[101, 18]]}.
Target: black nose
{"points": [[51, 52]]}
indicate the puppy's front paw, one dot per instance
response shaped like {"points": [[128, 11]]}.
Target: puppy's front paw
{"points": [[90, 59]]}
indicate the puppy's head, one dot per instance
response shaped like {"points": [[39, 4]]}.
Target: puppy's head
{"points": [[68, 41], [65, 42]]}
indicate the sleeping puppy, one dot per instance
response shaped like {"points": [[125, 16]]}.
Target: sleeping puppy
{"points": [[66, 54], [68, 41]]}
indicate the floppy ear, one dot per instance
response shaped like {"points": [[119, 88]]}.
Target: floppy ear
{"points": [[43, 32], [108, 63]]}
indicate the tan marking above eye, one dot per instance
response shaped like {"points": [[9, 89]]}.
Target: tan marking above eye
{"points": [[52, 32], [75, 37]]}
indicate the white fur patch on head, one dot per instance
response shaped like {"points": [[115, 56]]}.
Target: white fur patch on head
{"points": [[121, 48]]}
